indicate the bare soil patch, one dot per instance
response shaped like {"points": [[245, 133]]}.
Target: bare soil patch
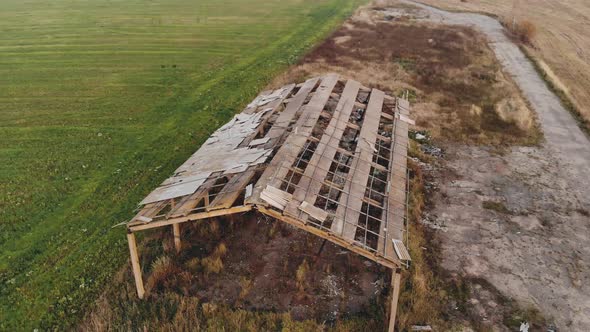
{"points": [[512, 221]]}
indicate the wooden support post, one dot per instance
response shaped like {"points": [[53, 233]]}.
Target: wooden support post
{"points": [[135, 264], [176, 231], [395, 284], [206, 198]]}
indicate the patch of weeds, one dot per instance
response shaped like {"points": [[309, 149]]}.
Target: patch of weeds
{"points": [[406, 64], [246, 285], [515, 315], [496, 206], [415, 151], [301, 275], [372, 319], [491, 121], [162, 268], [523, 31], [460, 291], [422, 291], [214, 263], [583, 212], [409, 94]]}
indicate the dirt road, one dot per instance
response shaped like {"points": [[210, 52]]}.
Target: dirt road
{"points": [[561, 131], [533, 245], [562, 46]]}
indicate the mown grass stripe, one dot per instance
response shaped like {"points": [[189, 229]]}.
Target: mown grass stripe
{"points": [[51, 267]]}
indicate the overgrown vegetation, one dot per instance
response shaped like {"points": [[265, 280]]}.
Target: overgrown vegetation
{"points": [[422, 295], [457, 88], [301, 276], [496, 206], [522, 30], [99, 107], [515, 315], [182, 292], [566, 101]]}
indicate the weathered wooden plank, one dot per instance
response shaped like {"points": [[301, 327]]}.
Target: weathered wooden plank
{"points": [[313, 211], [304, 126], [276, 191], [398, 178], [287, 115], [231, 191], [190, 217], [148, 212], [188, 203], [319, 165], [250, 108], [135, 265], [401, 251], [274, 105], [276, 197], [395, 288], [286, 155], [347, 213], [177, 239]]}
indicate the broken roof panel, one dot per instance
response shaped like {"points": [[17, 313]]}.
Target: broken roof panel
{"points": [[327, 155]]}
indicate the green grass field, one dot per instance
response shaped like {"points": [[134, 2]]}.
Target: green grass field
{"points": [[99, 102]]}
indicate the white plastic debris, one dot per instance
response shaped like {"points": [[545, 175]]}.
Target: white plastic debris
{"points": [[524, 327]]}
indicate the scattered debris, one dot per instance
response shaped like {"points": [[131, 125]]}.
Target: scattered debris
{"points": [[330, 285], [431, 150]]}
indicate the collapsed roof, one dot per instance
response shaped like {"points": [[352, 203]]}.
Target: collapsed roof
{"points": [[327, 156]]}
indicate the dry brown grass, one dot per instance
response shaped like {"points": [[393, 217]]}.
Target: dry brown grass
{"points": [[457, 89], [561, 40], [421, 300], [527, 31], [523, 31], [163, 268], [246, 285], [214, 262], [177, 283], [301, 276]]}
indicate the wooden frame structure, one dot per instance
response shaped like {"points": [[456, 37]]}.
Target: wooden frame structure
{"points": [[327, 156]]}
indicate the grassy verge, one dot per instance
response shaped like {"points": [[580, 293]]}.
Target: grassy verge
{"points": [[64, 253], [562, 95], [566, 102], [423, 294]]}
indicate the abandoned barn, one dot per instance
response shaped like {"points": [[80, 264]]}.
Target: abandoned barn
{"points": [[327, 156]]}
